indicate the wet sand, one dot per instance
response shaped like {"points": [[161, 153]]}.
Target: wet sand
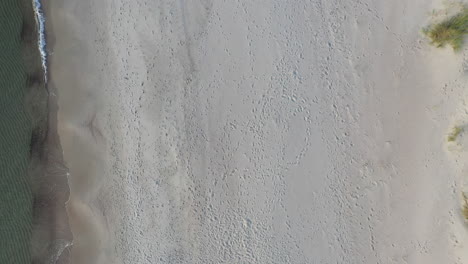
{"points": [[247, 132], [51, 236]]}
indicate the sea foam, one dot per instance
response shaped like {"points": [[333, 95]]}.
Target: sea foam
{"points": [[40, 22]]}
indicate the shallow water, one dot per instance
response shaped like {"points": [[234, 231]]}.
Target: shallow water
{"points": [[15, 134], [33, 189]]}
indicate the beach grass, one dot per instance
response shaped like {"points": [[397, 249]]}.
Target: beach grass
{"points": [[465, 207], [451, 31], [465, 211], [456, 130]]}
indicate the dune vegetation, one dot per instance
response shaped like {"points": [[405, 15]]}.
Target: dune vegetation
{"points": [[451, 31], [454, 134], [465, 207]]}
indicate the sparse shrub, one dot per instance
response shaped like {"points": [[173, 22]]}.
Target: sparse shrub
{"points": [[465, 211], [454, 134], [451, 31], [465, 207]]}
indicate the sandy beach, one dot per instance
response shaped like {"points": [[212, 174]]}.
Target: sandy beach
{"points": [[259, 131]]}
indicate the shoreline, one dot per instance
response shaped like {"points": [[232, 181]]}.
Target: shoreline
{"points": [[52, 238], [29, 190]]}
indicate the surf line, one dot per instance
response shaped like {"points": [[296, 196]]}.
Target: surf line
{"points": [[40, 23]]}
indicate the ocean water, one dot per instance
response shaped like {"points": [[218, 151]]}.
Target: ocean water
{"points": [[16, 206]]}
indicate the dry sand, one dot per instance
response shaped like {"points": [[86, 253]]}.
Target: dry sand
{"points": [[258, 132]]}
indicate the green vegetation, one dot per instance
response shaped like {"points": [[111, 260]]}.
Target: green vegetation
{"points": [[451, 31], [465, 207], [454, 134], [465, 211]]}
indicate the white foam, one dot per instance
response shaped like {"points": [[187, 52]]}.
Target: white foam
{"points": [[40, 22]]}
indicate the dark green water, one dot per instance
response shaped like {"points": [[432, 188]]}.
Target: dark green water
{"points": [[15, 134]]}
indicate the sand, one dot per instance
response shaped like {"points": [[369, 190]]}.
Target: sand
{"points": [[258, 132]]}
